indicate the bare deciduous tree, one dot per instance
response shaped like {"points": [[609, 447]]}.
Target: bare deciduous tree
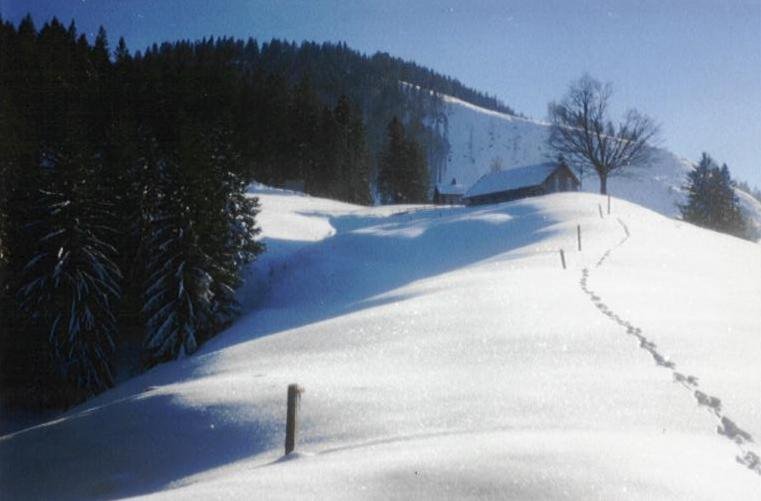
{"points": [[583, 134]]}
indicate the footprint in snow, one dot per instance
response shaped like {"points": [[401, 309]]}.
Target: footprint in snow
{"points": [[730, 430], [708, 401], [660, 360], [685, 380], [751, 460]]}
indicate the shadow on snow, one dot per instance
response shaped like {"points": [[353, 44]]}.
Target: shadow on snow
{"points": [[134, 440]]}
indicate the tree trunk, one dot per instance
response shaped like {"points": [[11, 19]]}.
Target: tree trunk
{"points": [[603, 183]]}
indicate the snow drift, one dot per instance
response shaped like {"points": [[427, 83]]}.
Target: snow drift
{"points": [[445, 353]]}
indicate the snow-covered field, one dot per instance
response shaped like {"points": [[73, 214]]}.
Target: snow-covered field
{"points": [[445, 353], [477, 137]]}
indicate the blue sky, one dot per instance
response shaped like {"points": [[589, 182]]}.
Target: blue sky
{"points": [[694, 65]]}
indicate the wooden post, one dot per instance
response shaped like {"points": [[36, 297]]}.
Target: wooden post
{"points": [[562, 258], [599, 206], [609, 205], [578, 234], [294, 398]]}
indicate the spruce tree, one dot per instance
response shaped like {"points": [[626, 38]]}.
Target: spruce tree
{"points": [[391, 163], [711, 199], [352, 182], [123, 204], [415, 184], [304, 115], [729, 218], [62, 283], [324, 175], [201, 234], [402, 169], [699, 209], [71, 285]]}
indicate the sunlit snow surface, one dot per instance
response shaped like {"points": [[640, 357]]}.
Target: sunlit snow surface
{"points": [[478, 137], [445, 353]]}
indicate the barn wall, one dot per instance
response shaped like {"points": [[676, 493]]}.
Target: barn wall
{"points": [[444, 199], [563, 180], [506, 196]]}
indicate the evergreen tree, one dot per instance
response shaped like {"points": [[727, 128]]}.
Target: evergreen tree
{"points": [[351, 158], [304, 118], [71, 285], [402, 170], [711, 200], [414, 185], [121, 54], [698, 209], [137, 164], [62, 284], [323, 178], [200, 231], [23, 359], [730, 218], [391, 163]]}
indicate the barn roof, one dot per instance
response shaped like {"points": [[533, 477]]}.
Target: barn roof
{"points": [[450, 189], [512, 179]]}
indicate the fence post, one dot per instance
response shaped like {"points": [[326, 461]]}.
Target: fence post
{"points": [[599, 207], [578, 235], [294, 398], [609, 205], [562, 258]]}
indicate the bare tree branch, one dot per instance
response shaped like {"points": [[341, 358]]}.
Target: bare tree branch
{"points": [[583, 134]]}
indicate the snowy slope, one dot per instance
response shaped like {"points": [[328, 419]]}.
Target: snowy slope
{"points": [[445, 354], [751, 208], [478, 136]]}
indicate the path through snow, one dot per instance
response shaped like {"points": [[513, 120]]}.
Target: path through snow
{"points": [[726, 426]]}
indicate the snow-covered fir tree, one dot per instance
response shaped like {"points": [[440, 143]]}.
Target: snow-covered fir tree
{"points": [[711, 199], [70, 285], [200, 237]]}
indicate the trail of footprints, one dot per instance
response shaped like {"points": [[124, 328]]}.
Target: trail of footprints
{"points": [[726, 427]]}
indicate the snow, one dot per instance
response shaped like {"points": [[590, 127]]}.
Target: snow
{"points": [[451, 188], [512, 179], [751, 209], [445, 353], [477, 137]]}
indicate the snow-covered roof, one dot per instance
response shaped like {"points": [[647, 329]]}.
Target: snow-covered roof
{"points": [[450, 189], [512, 179]]}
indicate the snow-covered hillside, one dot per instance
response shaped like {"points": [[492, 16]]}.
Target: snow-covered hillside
{"points": [[445, 353], [751, 208], [477, 137]]}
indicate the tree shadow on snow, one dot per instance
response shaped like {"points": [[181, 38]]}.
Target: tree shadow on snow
{"points": [[369, 258], [130, 446], [88, 453]]}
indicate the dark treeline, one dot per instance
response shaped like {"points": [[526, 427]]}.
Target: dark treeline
{"points": [[338, 70], [402, 168], [372, 83], [124, 222]]}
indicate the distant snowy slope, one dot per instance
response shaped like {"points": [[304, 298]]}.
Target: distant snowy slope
{"points": [[445, 354], [752, 210], [477, 137]]}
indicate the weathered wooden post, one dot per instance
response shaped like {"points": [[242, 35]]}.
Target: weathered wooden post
{"points": [[609, 205], [562, 258], [294, 399], [578, 235], [599, 206]]}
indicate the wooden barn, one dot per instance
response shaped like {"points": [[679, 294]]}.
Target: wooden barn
{"points": [[522, 182], [448, 193]]}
